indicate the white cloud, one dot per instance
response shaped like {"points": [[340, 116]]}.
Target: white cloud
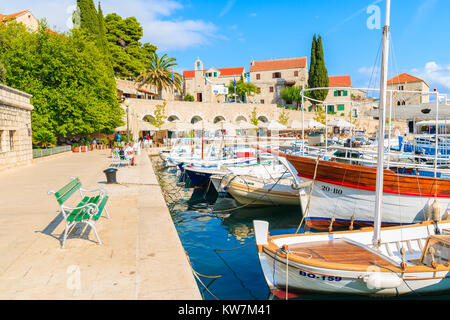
{"points": [[157, 17], [435, 75], [369, 71]]}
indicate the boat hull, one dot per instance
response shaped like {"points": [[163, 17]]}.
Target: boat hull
{"points": [[347, 194]]}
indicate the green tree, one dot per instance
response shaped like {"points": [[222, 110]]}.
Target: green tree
{"points": [[292, 94], [189, 98], [103, 43], [243, 89], [159, 74], [88, 16], [318, 73], [320, 115], [129, 55], [2, 73], [160, 115], [254, 117], [283, 118], [74, 93]]}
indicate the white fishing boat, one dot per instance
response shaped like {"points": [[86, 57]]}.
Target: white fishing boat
{"points": [[372, 261]]}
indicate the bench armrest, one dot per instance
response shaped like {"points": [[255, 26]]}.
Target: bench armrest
{"points": [[102, 192], [91, 211]]}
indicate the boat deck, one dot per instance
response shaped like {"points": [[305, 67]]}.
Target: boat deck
{"points": [[340, 252]]}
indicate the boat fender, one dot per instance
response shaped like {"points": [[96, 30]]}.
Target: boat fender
{"points": [[330, 228], [379, 280], [428, 211], [436, 213], [351, 223]]}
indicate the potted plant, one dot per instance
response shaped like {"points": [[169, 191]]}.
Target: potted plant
{"points": [[75, 148]]}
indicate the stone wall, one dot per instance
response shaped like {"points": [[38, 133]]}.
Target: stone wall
{"points": [[15, 128]]}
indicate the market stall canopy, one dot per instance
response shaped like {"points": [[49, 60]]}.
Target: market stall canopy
{"points": [[225, 125], [312, 124], [340, 123], [203, 125], [295, 125], [121, 129], [273, 125], [176, 125], [244, 125], [146, 126]]}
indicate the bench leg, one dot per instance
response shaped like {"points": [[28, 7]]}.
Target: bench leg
{"points": [[95, 231], [64, 238], [107, 213]]}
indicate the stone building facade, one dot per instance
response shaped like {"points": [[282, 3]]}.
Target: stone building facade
{"points": [[205, 84], [16, 147], [407, 82], [271, 76], [25, 17]]}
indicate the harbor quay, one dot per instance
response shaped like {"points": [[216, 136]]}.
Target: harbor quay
{"points": [[141, 256]]}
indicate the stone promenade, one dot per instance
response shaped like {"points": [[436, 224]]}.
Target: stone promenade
{"points": [[141, 256]]}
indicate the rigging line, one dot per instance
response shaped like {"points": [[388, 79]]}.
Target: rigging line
{"points": [[246, 245], [375, 65]]}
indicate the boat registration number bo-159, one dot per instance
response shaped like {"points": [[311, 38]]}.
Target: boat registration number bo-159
{"points": [[320, 277]]}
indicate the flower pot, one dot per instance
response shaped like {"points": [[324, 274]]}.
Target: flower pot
{"points": [[84, 148], [76, 149]]}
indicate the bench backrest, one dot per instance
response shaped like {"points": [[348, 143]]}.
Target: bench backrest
{"points": [[68, 190]]}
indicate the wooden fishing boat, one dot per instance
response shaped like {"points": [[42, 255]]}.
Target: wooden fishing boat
{"points": [[254, 191], [408, 260], [345, 194]]}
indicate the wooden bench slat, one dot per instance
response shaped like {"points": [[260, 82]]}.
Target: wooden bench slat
{"points": [[66, 188], [69, 193]]}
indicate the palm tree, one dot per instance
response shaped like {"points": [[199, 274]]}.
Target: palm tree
{"points": [[159, 74]]}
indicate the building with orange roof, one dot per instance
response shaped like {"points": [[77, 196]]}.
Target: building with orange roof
{"points": [[406, 82], [25, 17], [209, 85], [272, 76]]}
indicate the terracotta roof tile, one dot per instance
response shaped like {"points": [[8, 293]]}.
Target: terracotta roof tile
{"points": [[291, 63], [340, 81], [224, 72], [404, 78], [12, 15]]}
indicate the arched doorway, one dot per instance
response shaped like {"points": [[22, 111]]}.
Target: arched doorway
{"points": [[241, 118], [149, 119], [196, 119], [173, 118], [263, 119], [218, 119]]}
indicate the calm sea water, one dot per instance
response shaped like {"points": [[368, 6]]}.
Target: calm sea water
{"points": [[222, 243]]}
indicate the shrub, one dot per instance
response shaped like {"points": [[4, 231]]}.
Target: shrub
{"points": [[44, 138], [189, 98]]}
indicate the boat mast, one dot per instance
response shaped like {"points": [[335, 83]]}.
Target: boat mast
{"points": [[382, 111]]}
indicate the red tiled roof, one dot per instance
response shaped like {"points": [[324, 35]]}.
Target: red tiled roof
{"points": [[404, 78], [291, 63], [4, 17], [224, 72], [340, 81]]}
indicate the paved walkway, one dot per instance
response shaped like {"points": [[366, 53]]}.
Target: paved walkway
{"points": [[141, 256]]}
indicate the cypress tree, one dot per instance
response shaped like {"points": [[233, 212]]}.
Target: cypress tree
{"points": [[88, 16], [318, 74], [102, 42], [322, 79]]}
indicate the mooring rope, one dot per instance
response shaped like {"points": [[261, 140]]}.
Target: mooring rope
{"points": [[309, 196]]}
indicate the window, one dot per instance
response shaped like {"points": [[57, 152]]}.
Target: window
{"points": [[271, 89], [341, 107], [402, 88], [258, 76], [340, 93], [295, 73], [215, 74], [11, 140], [330, 109], [276, 75], [262, 101]]}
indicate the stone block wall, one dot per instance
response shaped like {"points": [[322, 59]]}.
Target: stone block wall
{"points": [[16, 147]]}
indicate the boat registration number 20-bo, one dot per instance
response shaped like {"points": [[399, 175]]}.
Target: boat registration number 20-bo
{"points": [[319, 277]]}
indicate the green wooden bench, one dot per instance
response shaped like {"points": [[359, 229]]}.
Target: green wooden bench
{"points": [[89, 210]]}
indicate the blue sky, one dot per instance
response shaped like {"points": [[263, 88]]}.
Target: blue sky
{"points": [[230, 33]]}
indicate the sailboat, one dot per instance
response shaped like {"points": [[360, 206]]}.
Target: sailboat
{"points": [[373, 261]]}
